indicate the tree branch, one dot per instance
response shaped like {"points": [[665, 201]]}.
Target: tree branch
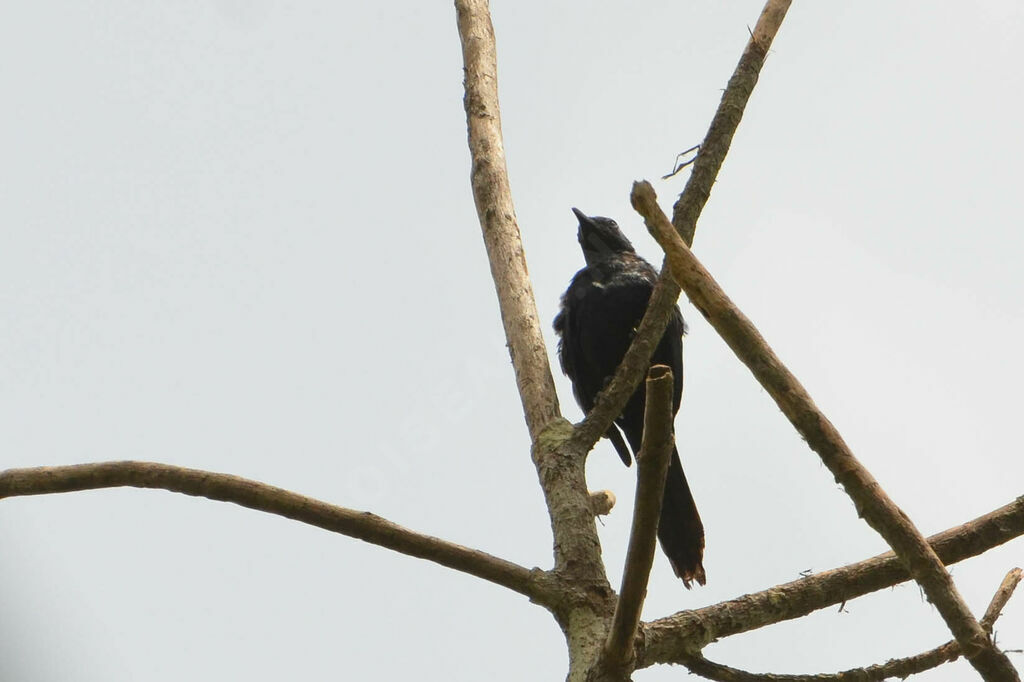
{"points": [[652, 467], [872, 502], [493, 197], [611, 401], [899, 667], [667, 639], [727, 119], [559, 464], [365, 526]]}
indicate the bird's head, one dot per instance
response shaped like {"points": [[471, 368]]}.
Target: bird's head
{"points": [[600, 238]]}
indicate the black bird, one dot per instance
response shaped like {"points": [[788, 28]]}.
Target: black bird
{"points": [[600, 313]]}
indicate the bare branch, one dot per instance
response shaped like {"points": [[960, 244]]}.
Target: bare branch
{"points": [[493, 197], [560, 466], [665, 639], [899, 667], [872, 502], [652, 467], [365, 526], [611, 401], [727, 120]]}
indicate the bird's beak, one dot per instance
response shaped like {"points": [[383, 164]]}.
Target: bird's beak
{"points": [[579, 215]]}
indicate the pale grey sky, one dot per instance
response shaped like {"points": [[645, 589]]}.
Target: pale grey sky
{"points": [[239, 236]]}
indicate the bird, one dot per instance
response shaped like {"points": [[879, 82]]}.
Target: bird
{"points": [[596, 322]]}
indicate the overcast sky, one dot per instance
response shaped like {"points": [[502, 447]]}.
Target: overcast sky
{"points": [[239, 236]]}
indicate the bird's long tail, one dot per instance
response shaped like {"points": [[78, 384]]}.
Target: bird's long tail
{"points": [[680, 530]]}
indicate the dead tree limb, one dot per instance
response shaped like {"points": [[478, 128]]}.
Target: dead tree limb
{"points": [[560, 469], [872, 502], [493, 196], [726, 120], [652, 466], [587, 601], [267, 498]]}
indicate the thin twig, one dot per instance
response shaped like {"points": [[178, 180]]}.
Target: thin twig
{"points": [[266, 498], [652, 467], [872, 503], [611, 401], [898, 667], [678, 165], [901, 668], [667, 639], [493, 196]]}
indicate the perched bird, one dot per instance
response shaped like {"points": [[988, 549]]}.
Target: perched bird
{"points": [[599, 315]]}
